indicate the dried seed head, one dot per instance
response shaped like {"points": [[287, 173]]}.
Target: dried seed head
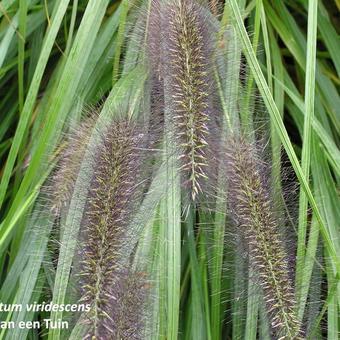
{"points": [[113, 195], [251, 206], [187, 56]]}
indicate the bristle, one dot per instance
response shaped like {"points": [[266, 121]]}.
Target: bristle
{"points": [[250, 203], [113, 196], [214, 7], [188, 70], [154, 34], [129, 304], [64, 178]]}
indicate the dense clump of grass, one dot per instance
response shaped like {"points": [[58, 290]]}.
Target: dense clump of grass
{"points": [[149, 266]]}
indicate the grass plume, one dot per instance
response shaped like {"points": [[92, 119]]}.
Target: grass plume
{"points": [[251, 206], [114, 192], [187, 65]]}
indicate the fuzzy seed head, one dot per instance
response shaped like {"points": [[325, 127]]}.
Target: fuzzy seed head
{"points": [[251, 205], [190, 89], [113, 196]]}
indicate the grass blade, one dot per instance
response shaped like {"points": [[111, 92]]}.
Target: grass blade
{"points": [[307, 134]]}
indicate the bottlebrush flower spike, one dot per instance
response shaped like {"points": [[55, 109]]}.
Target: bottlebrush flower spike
{"points": [[187, 54], [114, 193], [250, 204]]}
